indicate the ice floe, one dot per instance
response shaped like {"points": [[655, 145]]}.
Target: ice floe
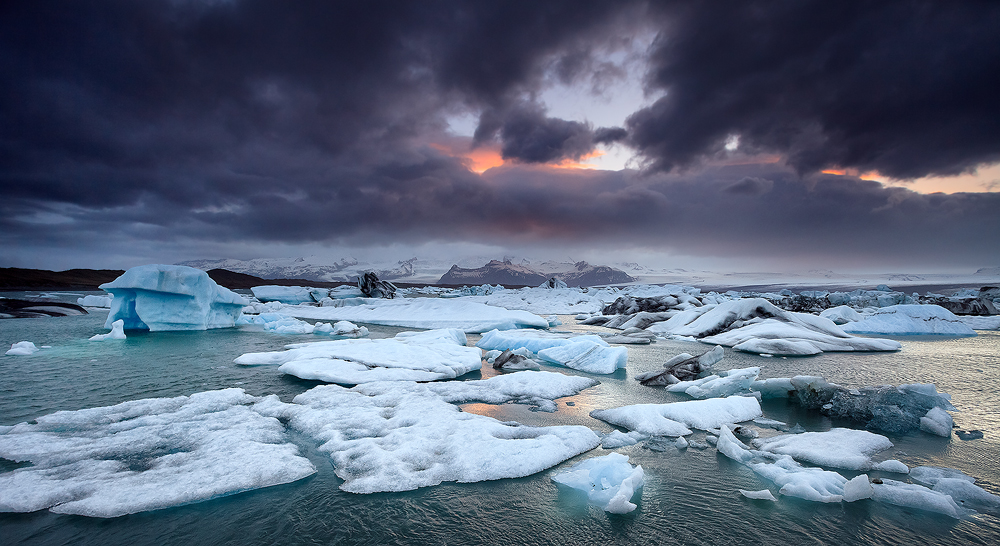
{"points": [[911, 319], [526, 387], [532, 340], [588, 356], [959, 486], [392, 436], [171, 297], [410, 356], [763, 494], [95, 301], [292, 295], [837, 447], [911, 495], [674, 419], [283, 324], [145, 455], [22, 348], [426, 313], [609, 481], [725, 383], [757, 326], [117, 332]]}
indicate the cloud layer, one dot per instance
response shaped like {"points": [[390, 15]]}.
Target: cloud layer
{"points": [[199, 125]]}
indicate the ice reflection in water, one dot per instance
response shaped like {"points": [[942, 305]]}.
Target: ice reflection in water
{"points": [[690, 497]]}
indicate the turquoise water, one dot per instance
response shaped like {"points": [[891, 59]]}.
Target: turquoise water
{"points": [[690, 496]]}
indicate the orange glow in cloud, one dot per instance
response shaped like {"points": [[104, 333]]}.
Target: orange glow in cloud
{"points": [[483, 158], [478, 160], [985, 179]]}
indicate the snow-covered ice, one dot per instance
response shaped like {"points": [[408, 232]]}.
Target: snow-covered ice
{"points": [[725, 383], [95, 301], [532, 340], [546, 301], [841, 315], [911, 319], [171, 297], [674, 419], [426, 313], [959, 486], [410, 356], [117, 332], [617, 438], [145, 455], [937, 421], [399, 436], [609, 481], [757, 326], [22, 348], [837, 447], [763, 494], [858, 488], [588, 356], [292, 295], [527, 387], [911, 495]]}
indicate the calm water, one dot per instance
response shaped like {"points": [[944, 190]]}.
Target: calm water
{"points": [[690, 497]]}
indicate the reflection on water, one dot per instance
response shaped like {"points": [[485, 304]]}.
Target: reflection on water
{"points": [[690, 496]]}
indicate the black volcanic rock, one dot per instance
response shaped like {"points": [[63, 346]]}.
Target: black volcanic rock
{"points": [[495, 272], [593, 275]]}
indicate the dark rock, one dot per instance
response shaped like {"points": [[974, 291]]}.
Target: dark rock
{"points": [[969, 434]]}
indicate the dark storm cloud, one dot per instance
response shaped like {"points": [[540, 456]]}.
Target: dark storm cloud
{"points": [[148, 123], [907, 88]]}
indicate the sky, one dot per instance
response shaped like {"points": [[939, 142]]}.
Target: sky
{"points": [[779, 136]]}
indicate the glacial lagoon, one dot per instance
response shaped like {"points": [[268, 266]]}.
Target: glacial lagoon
{"points": [[690, 496]]}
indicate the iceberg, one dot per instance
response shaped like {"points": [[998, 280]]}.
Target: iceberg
{"points": [[146, 455], [911, 319], [532, 340], [837, 447], [726, 383], [841, 315], [757, 326], [916, 496], [588, 356], [674, 419], [117, 332], [292, 295], [609, 481], [959, 486], [171, 297], [95, 301], [22, 348], [426, 313], [400, 436], [410, 356]]}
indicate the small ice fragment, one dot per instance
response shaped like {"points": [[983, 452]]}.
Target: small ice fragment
{"points": [[857, 489], [117, 332], [609, 481], [892, 465], [937, 421], [22, 348], [763, 494]]}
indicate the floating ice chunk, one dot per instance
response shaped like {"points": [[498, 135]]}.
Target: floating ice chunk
{"points": [[526, 387], [675, 418], [22, 348], [724, 384], [609, 481], [553, 320], [145, 455], [95, 301], [731, 447], [587, 355], [279, 323], [795, 480], [617, 438], [399, 436], [858, 488], [892, 465], [841, 315], [778, 387], [117, 332], [291, 295], [410, 356], [968, 495], [937, 421], [911, 320], [426, 313], [532, 340], [916, 496], [930, 475], [763, 494], [838, 447], [171, 297], [545, 301]]}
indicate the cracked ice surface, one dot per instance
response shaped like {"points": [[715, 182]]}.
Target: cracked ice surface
{"points": [[145, 455], [399, 436]]}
